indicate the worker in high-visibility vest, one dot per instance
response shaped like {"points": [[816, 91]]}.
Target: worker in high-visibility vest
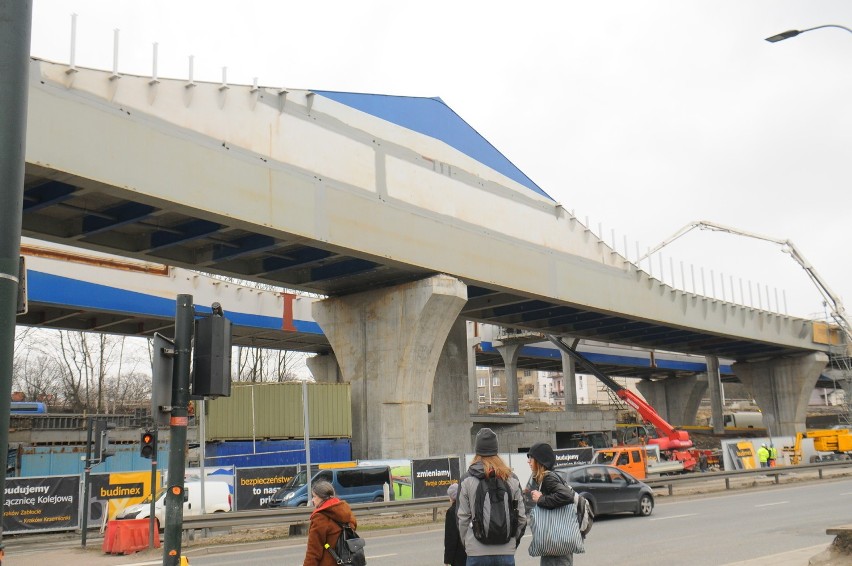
{"points": [[773, 455], [763, 455]]}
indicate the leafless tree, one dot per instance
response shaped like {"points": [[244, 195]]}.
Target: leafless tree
{"points": [[37, 376], [264, 365], [87, 359]]}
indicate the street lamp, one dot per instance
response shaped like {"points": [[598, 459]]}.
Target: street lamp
{"points": [[794, 32]]}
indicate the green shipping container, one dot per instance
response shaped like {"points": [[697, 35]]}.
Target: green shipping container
{"points": [[274, 411]]}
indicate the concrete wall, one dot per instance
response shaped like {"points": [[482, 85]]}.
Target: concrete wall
{"points": [[522, 432]]}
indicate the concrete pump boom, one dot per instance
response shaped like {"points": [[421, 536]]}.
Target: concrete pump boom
{"points": [[838, 311]]}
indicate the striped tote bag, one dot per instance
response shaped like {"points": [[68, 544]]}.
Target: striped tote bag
{"points": [[555, 532]]}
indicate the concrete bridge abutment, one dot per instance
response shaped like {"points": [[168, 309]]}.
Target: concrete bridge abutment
{"points": [[388, 343], [782, 388]]}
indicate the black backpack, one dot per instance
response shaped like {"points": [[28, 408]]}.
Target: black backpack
{"points": [[350, 547], [495, 512]]}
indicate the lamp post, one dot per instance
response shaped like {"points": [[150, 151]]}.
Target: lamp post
{"points": [[794, 32]]}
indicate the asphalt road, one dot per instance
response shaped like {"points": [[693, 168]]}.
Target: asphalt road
{"points": [[708, 531]]}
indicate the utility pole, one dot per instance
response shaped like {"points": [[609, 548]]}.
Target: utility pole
{"points": [[15, 31], [184, 324]]}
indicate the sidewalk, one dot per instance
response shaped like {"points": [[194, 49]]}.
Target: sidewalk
{"points": [[94, 557], [799, 557]]}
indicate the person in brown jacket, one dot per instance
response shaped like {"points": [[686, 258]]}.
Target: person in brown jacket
{"points": [[324, 530]]}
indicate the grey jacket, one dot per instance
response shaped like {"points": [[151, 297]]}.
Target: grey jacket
{"points": [[466, 500]]}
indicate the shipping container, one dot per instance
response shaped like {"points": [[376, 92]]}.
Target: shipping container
{"points": [[68, 460], [247, 454], [273, 411]]}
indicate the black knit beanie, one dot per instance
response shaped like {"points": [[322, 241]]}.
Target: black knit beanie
{"points": [[486, 443]]}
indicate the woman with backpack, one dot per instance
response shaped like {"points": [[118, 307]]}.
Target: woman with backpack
{"points": [[554, 492], [490, 533], [325, 524]]}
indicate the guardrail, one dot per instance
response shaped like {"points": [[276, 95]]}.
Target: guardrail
{"points": [[776, 472], [301, 515]]}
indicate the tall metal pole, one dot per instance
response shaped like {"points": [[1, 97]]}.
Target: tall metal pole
{"points": [[306, 415], [87, 471], [184, 319], [15, 30], [152, 512]]}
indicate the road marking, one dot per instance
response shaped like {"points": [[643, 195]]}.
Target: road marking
{"points": [[372, 556], [674, 517], [770, 504]]}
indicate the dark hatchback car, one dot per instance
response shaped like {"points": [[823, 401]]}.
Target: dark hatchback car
{"points": [[609, 489]]}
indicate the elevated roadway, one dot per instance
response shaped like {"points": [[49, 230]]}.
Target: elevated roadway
{"points": [[74, 290], [395, 209], [336, 193]]}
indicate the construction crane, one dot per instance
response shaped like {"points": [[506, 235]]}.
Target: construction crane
{"points": [[672, 441], [832, 300]]}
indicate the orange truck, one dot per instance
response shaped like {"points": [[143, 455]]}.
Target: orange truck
{"points": [[640, 462]]}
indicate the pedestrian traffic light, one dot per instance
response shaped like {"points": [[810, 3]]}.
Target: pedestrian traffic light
{"points": [[148, 444]]}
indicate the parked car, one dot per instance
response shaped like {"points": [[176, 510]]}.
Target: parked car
{"points": [[217, 499], [609, 489], [353, 485]]}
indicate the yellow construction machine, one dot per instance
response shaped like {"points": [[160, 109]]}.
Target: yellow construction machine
{"points": [[839, 442]]}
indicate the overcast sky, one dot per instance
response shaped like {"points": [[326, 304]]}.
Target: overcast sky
{"points": [[642, 116]]}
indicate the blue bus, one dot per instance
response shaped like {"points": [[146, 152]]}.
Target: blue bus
{"points": [[28, 408]]}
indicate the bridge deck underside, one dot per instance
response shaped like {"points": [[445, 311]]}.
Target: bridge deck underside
{"points": [[77, 212]]}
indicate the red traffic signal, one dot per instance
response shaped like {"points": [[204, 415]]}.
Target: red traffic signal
{"points": [[148, 444]]}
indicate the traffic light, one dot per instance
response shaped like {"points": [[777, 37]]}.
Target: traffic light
{"points": [[211, 373], [148, 444], [103, 448]]}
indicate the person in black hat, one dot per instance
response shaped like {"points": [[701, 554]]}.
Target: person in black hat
{"points": [[554, 492]]}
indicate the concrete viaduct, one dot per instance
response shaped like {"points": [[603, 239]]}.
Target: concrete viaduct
{"points": [[398, 212]]}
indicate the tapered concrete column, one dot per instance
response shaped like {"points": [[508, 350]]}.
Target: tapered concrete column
{"points": [[449, 417], [569, 380], [676, 400], [324, 368], [714, 386], [388, 343], [510, 352], [472, 388], [782, 388]]}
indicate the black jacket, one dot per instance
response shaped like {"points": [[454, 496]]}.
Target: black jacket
{"points": [[554, 492], [453, 548]]}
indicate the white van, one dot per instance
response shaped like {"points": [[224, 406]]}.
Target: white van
{"points": [[217, 498]]}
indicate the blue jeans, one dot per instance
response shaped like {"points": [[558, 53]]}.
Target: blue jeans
{"points": [[497, 560], [557, 560]]}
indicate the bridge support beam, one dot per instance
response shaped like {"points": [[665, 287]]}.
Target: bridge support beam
{"points": [[569, 379], [473, 343], [509, 353], [449, 417], [782, 388], [388, 343], [676, 400], [324, 368], [714, 385]]}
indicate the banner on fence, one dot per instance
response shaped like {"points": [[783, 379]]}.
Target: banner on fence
{"points": [[110, 493], [254, 486], [574, 456], [431, 477], [41, 504]]}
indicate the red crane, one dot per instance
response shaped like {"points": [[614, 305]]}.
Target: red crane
{"points": [[671, 441]]}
